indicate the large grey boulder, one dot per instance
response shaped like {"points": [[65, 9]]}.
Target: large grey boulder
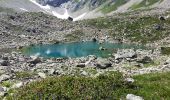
{"points": [[35, 60], [125, 53], [103, 63], [4, 77], [3, 91], [5, 58], [133, 97], [42, 75], [4, 63], [51, 72]]}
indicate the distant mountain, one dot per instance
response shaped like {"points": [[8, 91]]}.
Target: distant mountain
{"points": [[54, 3], [75, 5], [104, 6], [82, 8]]}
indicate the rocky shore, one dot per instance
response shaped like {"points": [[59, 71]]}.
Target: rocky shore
{"points": [[19, 70]]}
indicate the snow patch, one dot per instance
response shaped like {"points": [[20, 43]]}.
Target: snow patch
{"points": [[79, 17], [23, 9], [64, 16], [48, 9]]}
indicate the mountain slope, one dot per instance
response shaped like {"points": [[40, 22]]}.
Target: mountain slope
{"points": [[80, 9]]}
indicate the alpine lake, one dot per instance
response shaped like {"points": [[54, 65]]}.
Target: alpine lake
{"points": [[77, 49]]}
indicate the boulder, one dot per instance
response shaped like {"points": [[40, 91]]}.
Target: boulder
{"points": [[145, 60], [125, 53], [19, 47], [84, 73], [35, 60], [3, 91], [133, 97], [28, 30], [103, 63], [70, 18], [102, 48], [12, 17], [41, 75], [5, 58], [158, 27], [129, 80], [167, 62], [162, 18], [18, 85], [54, 41], [81, 65], [94, 39], [32, 30], [4, 63], [51, 72], [4, 77]]}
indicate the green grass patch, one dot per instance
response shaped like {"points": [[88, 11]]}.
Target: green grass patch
{"points": [[153, 86], [66, 87], [7, 84], [109, 86], [144, 3], [112, 6], [141, 29], [74, 35], [165, 50], [24, 75]]}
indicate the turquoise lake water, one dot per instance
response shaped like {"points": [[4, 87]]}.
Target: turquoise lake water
{"points": [[76, 49]]}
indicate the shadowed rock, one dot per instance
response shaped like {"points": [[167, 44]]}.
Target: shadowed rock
{"points": [[4, 63], [162, 18], [70, 18]]}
